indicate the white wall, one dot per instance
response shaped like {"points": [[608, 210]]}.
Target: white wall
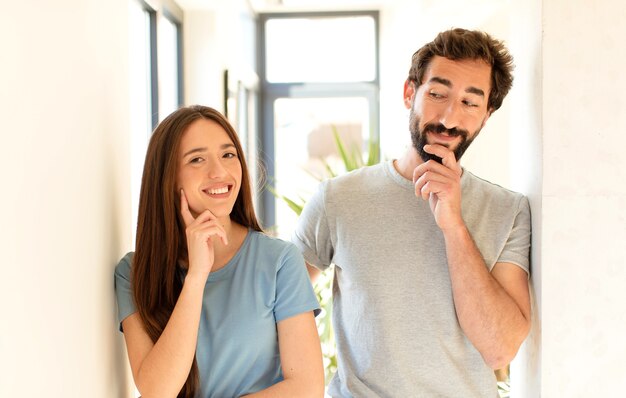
{"points": [[583, 255], [203, 66], [526, 161], [217, 37], [64, 208]]}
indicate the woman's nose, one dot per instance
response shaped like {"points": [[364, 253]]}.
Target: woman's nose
{"points": [[215, 168]]}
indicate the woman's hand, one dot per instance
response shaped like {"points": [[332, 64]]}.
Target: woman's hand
{"points": [[199, 232]]}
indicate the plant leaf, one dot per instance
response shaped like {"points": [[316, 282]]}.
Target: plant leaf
{"points": [[293, 205], [342, 150], [373, 151]]}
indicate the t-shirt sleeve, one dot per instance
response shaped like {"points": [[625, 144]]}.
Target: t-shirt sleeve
{"points": [[123, 292], [294, 292], [517, 247], [312, 233]]}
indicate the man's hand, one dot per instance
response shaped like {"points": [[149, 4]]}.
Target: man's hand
{"points": [[440, 184]]}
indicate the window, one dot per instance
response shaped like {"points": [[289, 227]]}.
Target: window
{"points": [[323, 49], [319, 74], [142, 101], [169, 63], [155, 79]]}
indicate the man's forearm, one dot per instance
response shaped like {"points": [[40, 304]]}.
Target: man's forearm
{"points": [[488, 315]]}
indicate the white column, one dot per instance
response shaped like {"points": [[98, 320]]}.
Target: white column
{"points": [[576, 94]]}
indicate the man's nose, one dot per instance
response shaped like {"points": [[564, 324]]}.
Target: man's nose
{"points": [[451, 115]]}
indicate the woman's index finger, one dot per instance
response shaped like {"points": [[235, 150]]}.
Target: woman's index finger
{"points": [[184, 209]]}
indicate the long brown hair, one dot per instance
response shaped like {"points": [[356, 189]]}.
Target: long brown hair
{"points": [[459, 44], [161, 241]]}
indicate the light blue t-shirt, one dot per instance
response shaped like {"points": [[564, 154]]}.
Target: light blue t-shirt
{"points": [[263, 284]]}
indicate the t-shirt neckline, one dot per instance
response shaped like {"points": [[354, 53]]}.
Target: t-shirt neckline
{"points": [[226, 271], [408, 184]]}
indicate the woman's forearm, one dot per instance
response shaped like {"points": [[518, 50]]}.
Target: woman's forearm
{"points": [[165, 368]]}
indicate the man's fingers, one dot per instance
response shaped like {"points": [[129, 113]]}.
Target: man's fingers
{"points": [[431, 187], [425, 184], [435, 168], [447, 156]]}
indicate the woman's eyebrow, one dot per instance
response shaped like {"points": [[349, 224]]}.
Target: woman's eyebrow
{"points": [[194, 150], [204, 149]]}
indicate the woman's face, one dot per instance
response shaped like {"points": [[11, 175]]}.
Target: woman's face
{"points": [[209, 170]]}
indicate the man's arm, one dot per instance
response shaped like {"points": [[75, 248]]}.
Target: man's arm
{"points": [[493, 308], [314, 273]]}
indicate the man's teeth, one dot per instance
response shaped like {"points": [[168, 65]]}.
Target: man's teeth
{"points": [[217, 191]]}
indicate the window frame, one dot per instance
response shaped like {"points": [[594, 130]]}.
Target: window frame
{"points": [[269, 92], [175, 17]]}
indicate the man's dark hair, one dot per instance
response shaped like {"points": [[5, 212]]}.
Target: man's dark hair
{"points": [[460, 44]]}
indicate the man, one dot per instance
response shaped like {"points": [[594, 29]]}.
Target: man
{"points": [[431, 262]]}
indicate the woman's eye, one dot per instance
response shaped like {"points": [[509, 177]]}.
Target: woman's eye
{"points": [[230, 155], [195, 160]]}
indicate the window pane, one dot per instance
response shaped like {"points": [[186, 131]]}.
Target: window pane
{"points": [[304, 141], [330, 49], [168, 66]]}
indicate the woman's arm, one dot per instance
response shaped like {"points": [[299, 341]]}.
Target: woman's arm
{"points": [[161, 369], [301, 359]]}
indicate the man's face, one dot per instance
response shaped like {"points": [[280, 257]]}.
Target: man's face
{"points": [[449, 108]]}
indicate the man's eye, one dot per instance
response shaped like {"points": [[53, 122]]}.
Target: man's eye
{"points": [[470, 104], [435, 95]]}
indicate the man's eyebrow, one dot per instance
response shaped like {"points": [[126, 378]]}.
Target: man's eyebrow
{"points": [[441, 80], [448, 83], [204, 149], [474, 90]]}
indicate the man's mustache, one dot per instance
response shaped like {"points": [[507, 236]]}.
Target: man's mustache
{"points": [[440, 128]]}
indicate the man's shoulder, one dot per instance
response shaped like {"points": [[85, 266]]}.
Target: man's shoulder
{"points": [[357, 179], [478, 185]]}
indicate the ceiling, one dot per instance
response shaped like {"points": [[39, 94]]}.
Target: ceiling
{"points": [[285, 5]]}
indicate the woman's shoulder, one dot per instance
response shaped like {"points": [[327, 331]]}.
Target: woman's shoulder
{"points": [[122, 269], [272, 246]]}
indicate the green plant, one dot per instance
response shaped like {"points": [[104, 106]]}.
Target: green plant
{"points": [[352, 159], [504, 382]]}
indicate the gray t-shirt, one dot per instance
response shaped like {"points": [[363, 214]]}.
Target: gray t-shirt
{"points": [[395, 323]]}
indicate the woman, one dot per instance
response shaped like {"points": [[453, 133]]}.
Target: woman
{"points": [[209, 305]]}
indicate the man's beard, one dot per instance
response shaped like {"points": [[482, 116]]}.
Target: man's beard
{"points": [[419, 138]]}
